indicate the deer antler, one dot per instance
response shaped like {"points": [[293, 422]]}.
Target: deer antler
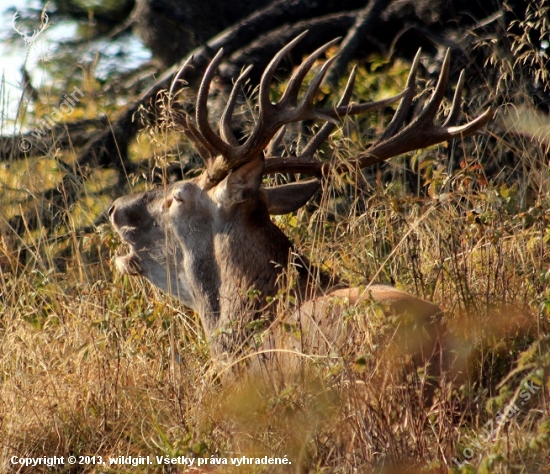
{"points": [[222, 153], [398, 137]]}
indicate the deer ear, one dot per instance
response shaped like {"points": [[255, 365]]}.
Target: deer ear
{"points": [[241, 184], [289, 197]]}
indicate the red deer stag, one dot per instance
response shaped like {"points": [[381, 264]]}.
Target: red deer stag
{"points": [[209, 240]]}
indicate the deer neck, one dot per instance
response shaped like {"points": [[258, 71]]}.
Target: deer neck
{"points": [[252, 256]]}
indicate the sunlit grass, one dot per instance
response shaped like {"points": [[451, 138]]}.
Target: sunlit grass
{"points": [[94, 363]]}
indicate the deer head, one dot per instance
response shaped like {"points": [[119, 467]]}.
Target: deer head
{"points": [[210, 242]]}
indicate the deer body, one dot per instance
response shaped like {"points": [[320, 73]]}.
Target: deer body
{"points": [[210, 242], [212, 250]]}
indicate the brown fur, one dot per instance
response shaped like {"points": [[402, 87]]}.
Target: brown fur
{"points": [[216, 248]]}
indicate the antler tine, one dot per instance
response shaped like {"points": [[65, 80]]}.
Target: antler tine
{"points": [[201, 112], [275, 141], [267, 76], [429, 111], [405, 104], [471, 127], [322, 135], [457, 102], [225, 121], [204, 148], [305, 110], [348, 90], [355, 109], [181, 72], [290, 95]]}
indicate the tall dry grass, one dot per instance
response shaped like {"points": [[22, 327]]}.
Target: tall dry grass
{"points": [[94, 363]]}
